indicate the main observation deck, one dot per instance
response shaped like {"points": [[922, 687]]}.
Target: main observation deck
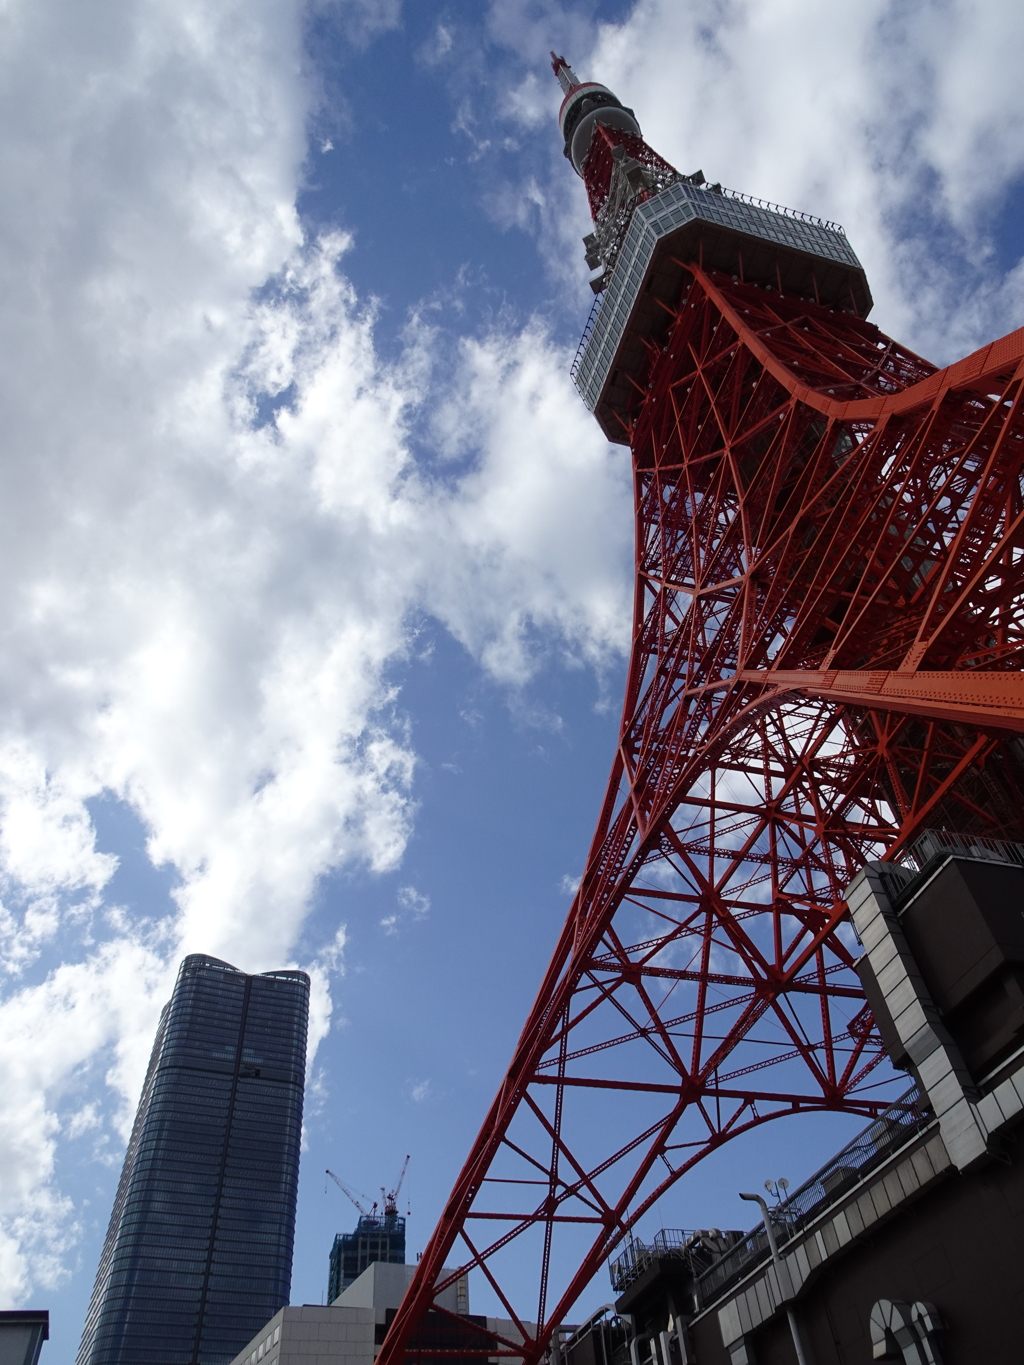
{"points": [[721, 230]]}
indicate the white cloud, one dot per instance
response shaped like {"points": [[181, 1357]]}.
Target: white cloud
{"points": [[167, 636], [102, 1011], [362, 20], [202, 594], [47, 856], [331, 958], [543, 520], [329, 962], [438, 45], [413, 906], [529, 103], [414, 902], [420, 1091], [84, 1120]]}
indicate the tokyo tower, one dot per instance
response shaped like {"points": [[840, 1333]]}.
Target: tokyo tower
{"points": [[828, 638]]}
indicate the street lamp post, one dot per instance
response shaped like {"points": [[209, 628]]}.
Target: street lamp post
{"points": [[794, 1326]]}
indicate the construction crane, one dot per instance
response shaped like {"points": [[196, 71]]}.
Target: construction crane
{"points": [[391, 1196], [346, 1191]]}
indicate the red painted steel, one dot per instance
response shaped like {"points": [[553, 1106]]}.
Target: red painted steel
{"points": [[599, 164], [827, 644]]}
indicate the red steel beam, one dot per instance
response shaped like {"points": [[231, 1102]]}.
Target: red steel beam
{"points": [[987, 700]]}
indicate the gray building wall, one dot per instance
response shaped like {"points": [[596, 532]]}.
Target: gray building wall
{"points": [[349, 1331], [22, 1333]]}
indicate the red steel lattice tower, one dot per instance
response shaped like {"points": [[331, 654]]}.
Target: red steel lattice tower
{"points": [[827, 648]]}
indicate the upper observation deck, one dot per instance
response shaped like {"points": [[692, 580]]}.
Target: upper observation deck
{"points": [[689, 223]]}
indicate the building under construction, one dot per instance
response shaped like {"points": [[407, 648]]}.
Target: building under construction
{"points": [[378, 1238], [374, 1239]]}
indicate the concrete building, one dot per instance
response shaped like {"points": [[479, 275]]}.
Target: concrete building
{"points": [[22, 1333], [351, 1330]]}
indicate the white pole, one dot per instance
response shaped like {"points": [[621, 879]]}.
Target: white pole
{"points": [[794, 1327]]}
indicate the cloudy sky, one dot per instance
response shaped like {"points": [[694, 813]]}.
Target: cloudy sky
{"points": [[315, 570]]}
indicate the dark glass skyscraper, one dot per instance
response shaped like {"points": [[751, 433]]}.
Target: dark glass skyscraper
{"points": [[198, 1254]]}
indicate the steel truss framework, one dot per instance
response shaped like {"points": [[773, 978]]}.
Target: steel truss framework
{"points": [[827, 644]]}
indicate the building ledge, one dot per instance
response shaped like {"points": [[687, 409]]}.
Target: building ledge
{"points": [[881, 1193]]}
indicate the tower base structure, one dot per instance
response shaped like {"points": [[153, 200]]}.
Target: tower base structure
{"points": [[903, 1246]]}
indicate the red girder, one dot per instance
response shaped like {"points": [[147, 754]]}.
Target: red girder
{"points": [[599, 162], [828, 630]]}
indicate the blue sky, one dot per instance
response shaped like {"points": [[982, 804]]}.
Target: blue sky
{"points": [[316, 570]]}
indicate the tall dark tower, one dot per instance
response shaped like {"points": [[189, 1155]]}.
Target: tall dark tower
{"points": [[198, 1254], [828, 639]]}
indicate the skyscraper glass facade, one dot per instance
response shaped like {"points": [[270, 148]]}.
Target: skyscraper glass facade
{"points": [[198, 1254], [375, 1239]]}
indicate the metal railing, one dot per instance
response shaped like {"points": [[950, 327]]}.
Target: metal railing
{"points": [[781, 208], [630, 1264], [697, 1247], [588, 329], [902, 875], [602, 1340]]}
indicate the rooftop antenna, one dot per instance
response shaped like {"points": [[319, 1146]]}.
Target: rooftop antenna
{"points": [[777, 1188], [567, 77]]}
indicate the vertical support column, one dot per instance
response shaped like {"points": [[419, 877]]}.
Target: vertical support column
{"points": [[741, 1352], [937, 1059], [666, 1354]]}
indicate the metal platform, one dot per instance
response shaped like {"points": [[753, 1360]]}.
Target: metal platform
{"points": [[720, 230]]}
